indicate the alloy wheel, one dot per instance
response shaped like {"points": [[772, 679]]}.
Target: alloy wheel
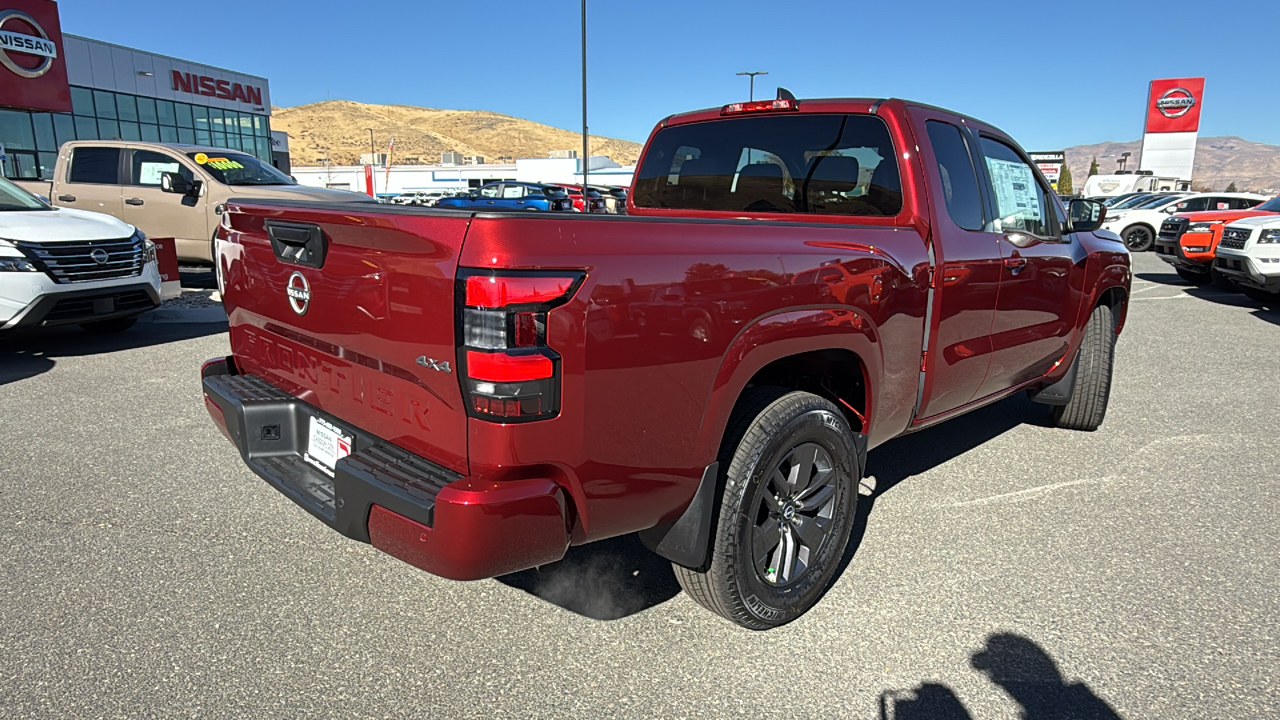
{"points": [[793, 514]]}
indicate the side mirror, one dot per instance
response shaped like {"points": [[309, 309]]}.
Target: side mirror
{"points": [[1085, 215], [172, 182]]}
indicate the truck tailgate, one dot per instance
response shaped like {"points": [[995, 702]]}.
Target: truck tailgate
{"points": [[352, 311]]}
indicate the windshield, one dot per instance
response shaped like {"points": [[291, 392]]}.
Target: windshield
{"points": [[1272, 205], [14, 198], [1157, 202], [1132, 202], [1111, 202], [233, 168]]}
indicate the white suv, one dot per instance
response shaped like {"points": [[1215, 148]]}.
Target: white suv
{"points": [[1249, 253], [60, 266], [1138, 225]]}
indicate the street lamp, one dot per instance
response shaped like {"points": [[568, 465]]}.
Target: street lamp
{"points": [[752, 75], [586, 139], [1124, 157]]}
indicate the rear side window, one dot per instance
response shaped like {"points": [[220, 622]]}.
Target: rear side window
{"points": [[819, 164], [1021, 205], [1243, 203], [1199, 204], [959, 181], [96, 165], [147, 166]]}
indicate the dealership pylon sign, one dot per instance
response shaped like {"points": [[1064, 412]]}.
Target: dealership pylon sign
{"points": [[33, 71], [1172, 126]]}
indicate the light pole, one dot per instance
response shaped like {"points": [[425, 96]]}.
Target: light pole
{"points": [[1124, 158], [752, 75], [586, 139]]}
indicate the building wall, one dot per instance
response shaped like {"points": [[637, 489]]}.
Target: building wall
{"points": [[113, 97]]}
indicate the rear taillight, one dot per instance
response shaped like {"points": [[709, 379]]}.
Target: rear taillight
{"points": [[760, 106], [509, 373]]}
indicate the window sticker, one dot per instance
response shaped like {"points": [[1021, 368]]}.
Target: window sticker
{"points": [[1222, 206], [1016, 190], [149, 173]]}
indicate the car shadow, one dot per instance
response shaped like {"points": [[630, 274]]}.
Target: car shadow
{"points": [[30, 352], [1169, 278], [605, 580], [1020, 667]]}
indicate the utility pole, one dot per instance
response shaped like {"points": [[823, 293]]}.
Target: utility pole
{"points": [[372, 152], [752, 75], [586, 139]]}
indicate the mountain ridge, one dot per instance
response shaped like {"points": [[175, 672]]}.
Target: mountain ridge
{"points": [[1220, 161]]}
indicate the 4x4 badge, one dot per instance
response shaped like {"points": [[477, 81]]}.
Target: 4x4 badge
{"points": [[442, 366]]}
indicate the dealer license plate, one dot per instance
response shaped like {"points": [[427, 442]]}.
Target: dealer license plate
{"points": [[326, 444]]}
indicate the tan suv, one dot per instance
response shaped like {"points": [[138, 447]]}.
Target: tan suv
{"points": [[122, 178]]}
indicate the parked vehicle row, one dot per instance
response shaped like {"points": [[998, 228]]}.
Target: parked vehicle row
{"points": [[1234, 248], [1138, 224], [795, 282]]}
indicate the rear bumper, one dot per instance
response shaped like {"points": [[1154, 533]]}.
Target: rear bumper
{"points": [[403, 504]]}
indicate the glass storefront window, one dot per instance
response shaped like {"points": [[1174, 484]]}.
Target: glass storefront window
{"points": [[220, 139], [130, 131], [164, 109], [82, 101], [168, 134], [64, 127], [127, 107], [201, 115], [86, 128], [47, 161], [264, 148], [186, 136], [15, 130], [105, 104], [215, 119], [147, 110], [260, 125], [204, 137], [185, 119], [44, 131], [108, 130], [150, 133]]}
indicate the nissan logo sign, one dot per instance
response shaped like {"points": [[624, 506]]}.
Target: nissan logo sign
{"points": [[16, 42], [100, 256], [299, 292], [1175, 102]]}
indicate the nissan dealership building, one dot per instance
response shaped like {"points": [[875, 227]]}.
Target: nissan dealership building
{"points": [[55, 88]]}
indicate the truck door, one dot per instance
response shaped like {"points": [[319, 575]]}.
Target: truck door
{"points": [[967, 267], [1042, 273], [162, 214], [92, 180]]}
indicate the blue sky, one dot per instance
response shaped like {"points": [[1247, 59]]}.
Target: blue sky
{"points": [[1051, 74]]}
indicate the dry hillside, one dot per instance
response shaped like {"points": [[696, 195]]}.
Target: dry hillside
{"points": [[339, 127], [1220, 161]]}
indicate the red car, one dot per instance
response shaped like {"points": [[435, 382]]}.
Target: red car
{"points": [[579, 202], [1188, 241], [795, 282]]}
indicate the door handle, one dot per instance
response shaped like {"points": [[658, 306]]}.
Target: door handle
{"points": [[67, 198], [1015, 264], [133, 201]]}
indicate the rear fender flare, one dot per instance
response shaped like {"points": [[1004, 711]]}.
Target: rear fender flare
{"points": [[780, 335]]}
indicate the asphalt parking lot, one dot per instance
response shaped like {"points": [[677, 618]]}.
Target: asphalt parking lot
{"points": [[1003, 567]]}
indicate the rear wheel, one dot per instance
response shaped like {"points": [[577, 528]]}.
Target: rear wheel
{"points": [[1138, 238], [788, 507], [1088, 404], [1194, 277], [106, 327]]}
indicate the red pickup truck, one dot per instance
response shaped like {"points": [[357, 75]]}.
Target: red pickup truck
{"points": [[795, 282]]}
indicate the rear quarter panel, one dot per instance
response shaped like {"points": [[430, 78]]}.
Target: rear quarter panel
{"points": [[671, 322]]}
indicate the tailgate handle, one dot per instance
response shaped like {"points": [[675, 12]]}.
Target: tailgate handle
{"points": [[294, 243]]}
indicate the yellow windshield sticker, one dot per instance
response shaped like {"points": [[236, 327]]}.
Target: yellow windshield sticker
{"points": [[201, 158], [223, 164]]}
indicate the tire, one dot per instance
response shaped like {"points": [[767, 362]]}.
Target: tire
{"points": [[770, 562], [1259, 295], [1088, 404], [1195, 278], [107, 327], [1138, 238]]}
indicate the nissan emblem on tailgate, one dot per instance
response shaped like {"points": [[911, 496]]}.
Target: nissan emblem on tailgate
{"points": [[299, 291]]}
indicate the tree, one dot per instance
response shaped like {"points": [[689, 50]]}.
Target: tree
{"points": [[1093, 166], [1232, 187], [1064, 182]]}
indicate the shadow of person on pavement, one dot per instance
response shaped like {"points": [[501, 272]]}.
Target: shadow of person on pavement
{"points": [[1032, 679]]}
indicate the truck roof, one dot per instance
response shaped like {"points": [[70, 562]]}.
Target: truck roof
{"points": [[177, 147], [819, 105]]}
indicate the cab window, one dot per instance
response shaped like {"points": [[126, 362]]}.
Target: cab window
{"points": [[1021, 204], [955, 167], [94, 165], [147, 166]]}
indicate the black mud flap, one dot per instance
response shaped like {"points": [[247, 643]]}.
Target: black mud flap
{"points": [[1060, 392]]}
